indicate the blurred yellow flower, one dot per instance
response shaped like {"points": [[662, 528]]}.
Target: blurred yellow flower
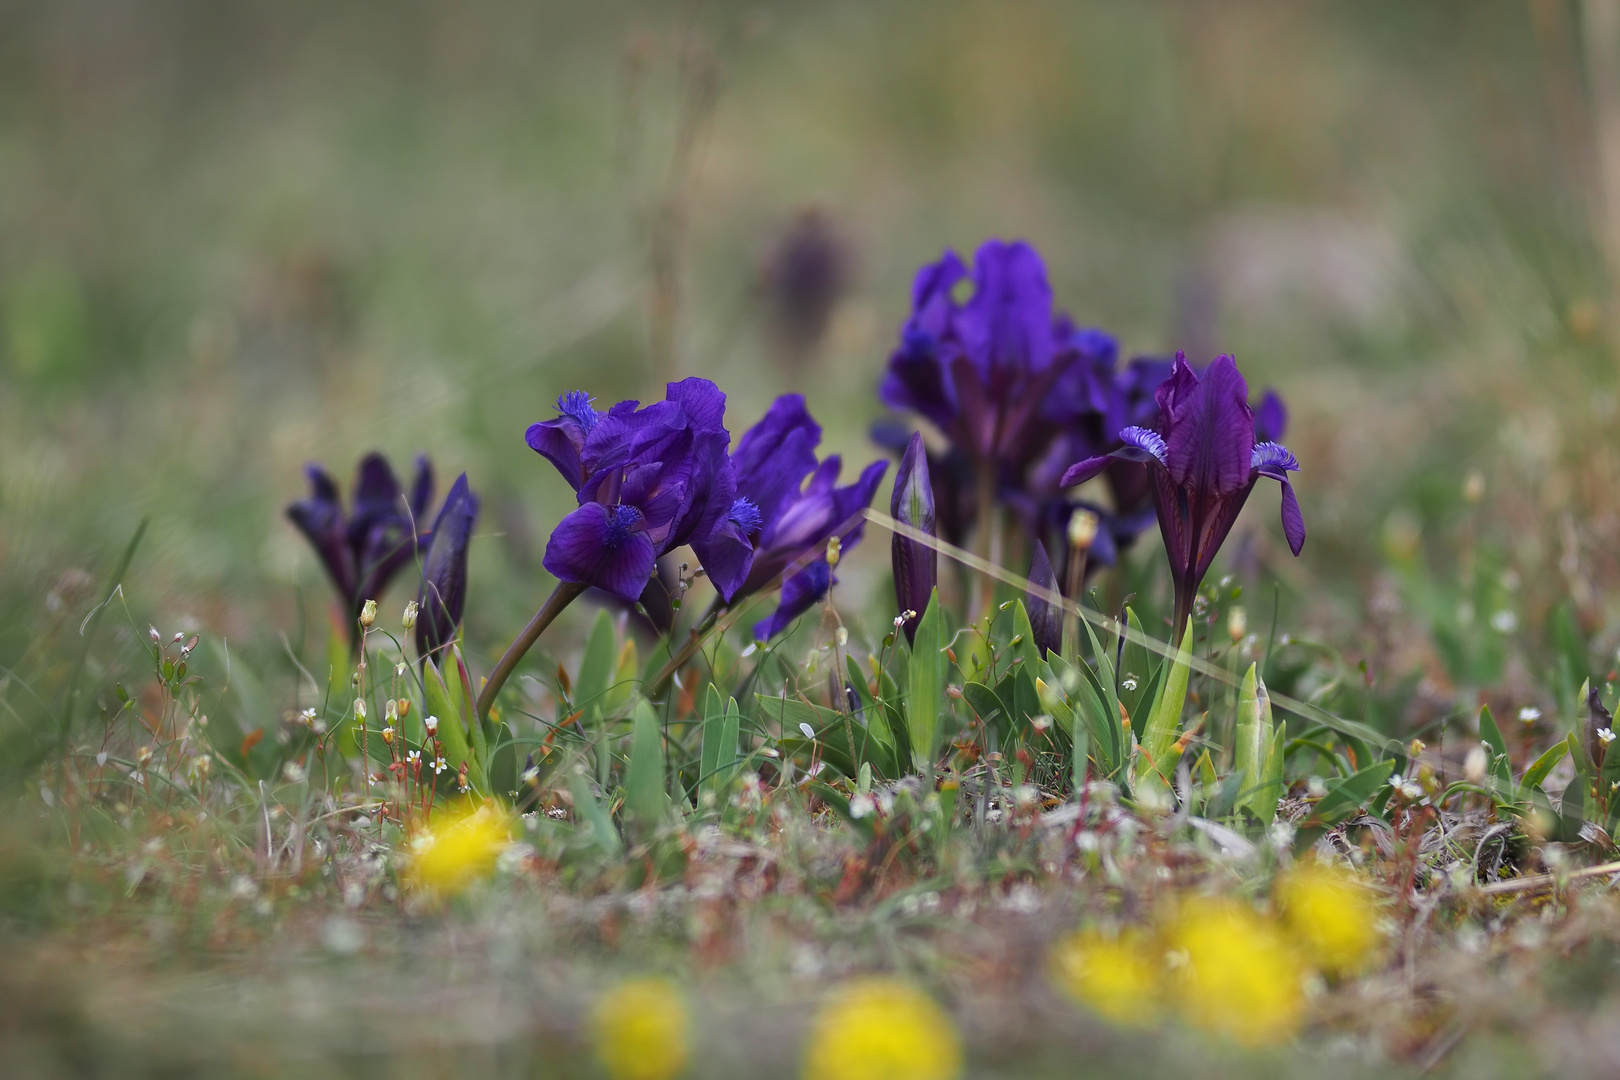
{"points": [[1332, 914], [1239, 975], [1118, 977], [640, 1030], [459, 849], [880, 1029]]}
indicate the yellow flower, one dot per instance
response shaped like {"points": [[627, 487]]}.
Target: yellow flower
{"points": [[640, 1030], [1239, 974], [879, 1029], [1118, 977], [459, 850], [1332, 913]]}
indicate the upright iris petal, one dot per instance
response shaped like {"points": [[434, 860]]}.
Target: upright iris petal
{"points": [[443, 593], [981, 370], [780, 522], [362, 549], [1202, 463]]}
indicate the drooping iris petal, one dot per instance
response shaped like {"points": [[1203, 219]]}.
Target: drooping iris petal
{"points": [[1276, 461], [443, 592], [320, 519], [800, 592], [602, 546], [773, 456], [1045, 617], [915, 563]]}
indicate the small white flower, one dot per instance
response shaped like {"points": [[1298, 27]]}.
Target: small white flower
{"points": [[432, 725], [809, 732], [1129, 683], [1504, 622], [862, 805], [1605, 735], [308, 717], [439, 765], [294, 772], [413, 758], [1529, 714]]}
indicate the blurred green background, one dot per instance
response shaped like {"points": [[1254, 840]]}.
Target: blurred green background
{"points": [[235, 237]]}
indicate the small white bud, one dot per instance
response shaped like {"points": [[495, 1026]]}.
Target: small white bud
{"points": [[368, 613], [432, 725], [359, 708], [1237, 624], [409, 620], [1083, 525], [1475, 764]]}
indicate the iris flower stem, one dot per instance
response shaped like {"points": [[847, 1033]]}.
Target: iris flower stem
{"points": [[564, 594], [988, 540], [694, 642]]}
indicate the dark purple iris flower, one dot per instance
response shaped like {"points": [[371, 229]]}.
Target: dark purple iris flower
{"points": [[364, 548], [982, 371], [1202, 464], [647, 480], [443, 593], [779, 523]]}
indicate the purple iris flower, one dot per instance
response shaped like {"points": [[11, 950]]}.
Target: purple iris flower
{"points": [[981, 371], [1270, 418], [364, 548], [443, 593], [779, 522], [1202, 464], [647, 480]]}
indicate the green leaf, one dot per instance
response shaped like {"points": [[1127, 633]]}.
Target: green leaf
{"points": [[1540, 768], [591, 813], [452, 732], [984, 702], [925, 690], [1351, 794], [596, 671], [1501, 764], [1139, 664], [1164, 722], [1268, 793], [1024, 635], [478, 774], [1101, 727], [1247, 736], [644, 794], [716, 761]]}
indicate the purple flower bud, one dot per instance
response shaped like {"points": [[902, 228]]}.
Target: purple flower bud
{"points": [[1045, 617], [916, 564], [443, 592], [364, 548]]}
